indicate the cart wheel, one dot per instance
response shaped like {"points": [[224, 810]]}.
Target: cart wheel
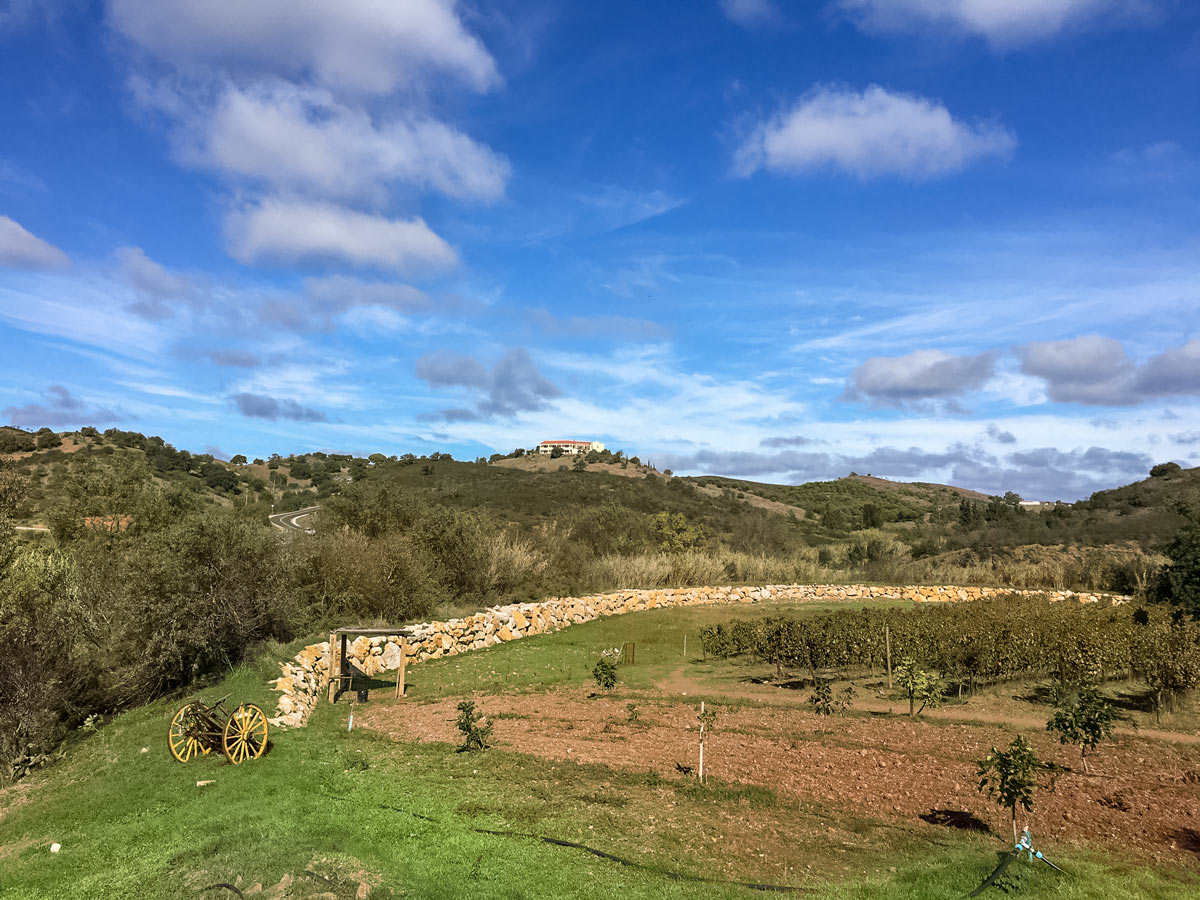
{"points": [[180, 740], [245, 734]]}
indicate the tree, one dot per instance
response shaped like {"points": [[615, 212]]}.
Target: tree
{"points": [[872, 517], [238, 460], [1179, 582], [580, 464], [1165, 469], [1010, 778], [47, 439], [1085, 722], [674, 533], [219, 478], [918, 685], [556, 452]]}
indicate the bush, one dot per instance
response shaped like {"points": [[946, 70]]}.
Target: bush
{"points": [[476, 731], [605, 674]]}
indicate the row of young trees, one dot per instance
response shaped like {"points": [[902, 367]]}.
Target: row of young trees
{"points": [[994, 640]]}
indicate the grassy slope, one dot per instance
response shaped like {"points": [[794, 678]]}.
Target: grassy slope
{"points": [[134, 824], [47, 468], [532, 497]]}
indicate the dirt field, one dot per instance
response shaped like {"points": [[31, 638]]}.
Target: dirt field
{"points": [[1142, 798]]}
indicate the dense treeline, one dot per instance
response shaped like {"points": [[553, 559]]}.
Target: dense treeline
{"points": [[987, 641]]}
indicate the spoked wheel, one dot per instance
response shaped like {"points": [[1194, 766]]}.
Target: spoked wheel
{"points": [[245, 734], [181, 737]]}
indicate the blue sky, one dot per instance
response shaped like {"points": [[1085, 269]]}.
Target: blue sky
{"points": [[952, 240]]}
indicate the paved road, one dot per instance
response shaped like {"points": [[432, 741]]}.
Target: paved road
{"points": [[293, 521]]}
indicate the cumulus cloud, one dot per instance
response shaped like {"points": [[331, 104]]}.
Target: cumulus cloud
{"points": [[869, 134], [789, 441], [23, 250], [310, 103], [750, 13], [1003, 23], [296, 138], [513, 385], [1000, 436], [1096, 370], [917, 378], [261, 406], [356, 45], [293, 230], [60, 407]]}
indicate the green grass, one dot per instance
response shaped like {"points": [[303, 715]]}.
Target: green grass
{"points": [[135, 824]]}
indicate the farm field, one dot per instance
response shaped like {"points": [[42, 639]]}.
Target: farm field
{"points": [[391, 806]]}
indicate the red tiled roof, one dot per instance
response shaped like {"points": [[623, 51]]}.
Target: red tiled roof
{"points": [[566, 442]]}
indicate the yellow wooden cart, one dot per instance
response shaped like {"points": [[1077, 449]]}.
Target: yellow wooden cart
{"points": [[198, 729]]}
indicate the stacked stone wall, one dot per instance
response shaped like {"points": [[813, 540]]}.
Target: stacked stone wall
{"points": [[306, 676]]}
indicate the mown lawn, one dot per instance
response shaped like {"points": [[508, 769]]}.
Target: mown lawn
{"points": [[331, 808]]}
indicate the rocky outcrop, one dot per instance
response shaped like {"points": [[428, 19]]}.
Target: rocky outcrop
{"points": [[306, 676]]}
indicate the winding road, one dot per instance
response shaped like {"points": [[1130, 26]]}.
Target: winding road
{"points": [[291, 521]]}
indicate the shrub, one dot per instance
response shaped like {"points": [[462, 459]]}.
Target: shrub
{"points": [[605, 674], [476, 731], [826, 703]]}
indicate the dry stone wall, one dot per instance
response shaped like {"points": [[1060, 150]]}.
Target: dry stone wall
{"points": [[306, 676]]}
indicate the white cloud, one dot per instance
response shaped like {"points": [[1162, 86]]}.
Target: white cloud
{"points": [[872, 133], [1004, 23], [303, 139], [918, 377], [23, 250], [363, 46], [750, 13], [285, 229]]}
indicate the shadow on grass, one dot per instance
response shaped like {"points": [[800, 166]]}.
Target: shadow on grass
{"points": [[955, 818]]}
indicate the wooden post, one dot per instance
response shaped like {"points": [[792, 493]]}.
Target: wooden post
{"points": [[685, 646], [403, 661], [701, 773], [334, 662], [887, 637]]}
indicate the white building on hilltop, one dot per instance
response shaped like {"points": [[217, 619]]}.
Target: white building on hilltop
{"points": [[569, 448]]}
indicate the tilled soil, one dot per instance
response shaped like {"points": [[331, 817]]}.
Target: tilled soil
{"points": [[1141, 799]]}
